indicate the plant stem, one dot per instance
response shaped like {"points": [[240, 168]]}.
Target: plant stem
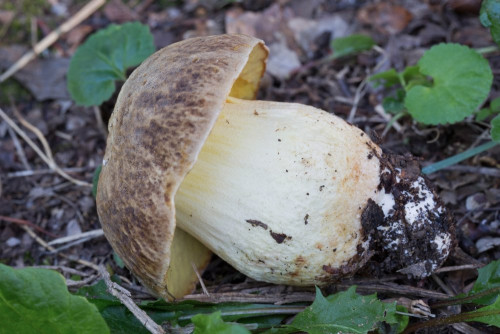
{"points": [[458, 157], [464, 300], [469, 316], [256, 311], [487, 49]]}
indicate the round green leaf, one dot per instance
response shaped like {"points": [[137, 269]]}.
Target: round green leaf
{"points": [[490, 18], [34, 300], [104, 58], [495, 129], [213, 324], [461, 82]]}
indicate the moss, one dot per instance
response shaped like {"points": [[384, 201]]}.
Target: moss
{"points": [[19, 29], [13, 89], [26, 7]]}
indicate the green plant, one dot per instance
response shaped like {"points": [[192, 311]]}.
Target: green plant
{"points": [[351, 45], [490, 18], [448, 84], [37, 299], [34, 300], [104, 58], [344, 311]]}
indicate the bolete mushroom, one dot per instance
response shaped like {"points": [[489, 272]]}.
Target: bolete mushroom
{"points": [[284, 192]]}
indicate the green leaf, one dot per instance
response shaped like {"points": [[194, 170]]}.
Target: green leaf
{"points": [[411, 73], [345, 312], [98, 295], [489, 315], [213, 324], [486, 112], [388, 78], [495, 105], [119, 262], [104, 58], [489, 276], [34, 300], [483, 114], [490, 18], [412, 77], [394, 104], [350, 45], [461, 82], [495, 129], [120, 320], [95, 181]]}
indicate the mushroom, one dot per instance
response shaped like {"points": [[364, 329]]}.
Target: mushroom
{"points": [[285, 193]]}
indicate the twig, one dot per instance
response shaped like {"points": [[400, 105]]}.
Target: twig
{"points": [[50, 163], [466, 329], [19, 149], [393, 288], [124, 296], [24, 173], [42, 243], [65, 269], [41, 46], [90, 234], [69, 245], [458, 268], [469, 316], [78, 284], [28, 223], [100, 123], [379, 109], [360, 91], [257, 311], [442, 285], [277, 299], [203, 287], [34, 129]]}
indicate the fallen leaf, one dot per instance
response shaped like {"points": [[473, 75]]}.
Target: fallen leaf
{"points": [[385, 17], [116, 11], [271, 25], [75, 37], [45, 78]]}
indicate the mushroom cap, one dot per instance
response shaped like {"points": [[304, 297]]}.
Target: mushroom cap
{"points": [[162, 117]]}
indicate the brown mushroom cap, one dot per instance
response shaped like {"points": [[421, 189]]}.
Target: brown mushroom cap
{"points": [[162, 117]]}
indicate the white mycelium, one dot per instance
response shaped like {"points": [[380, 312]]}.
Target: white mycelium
{"points": [[425, 205]]}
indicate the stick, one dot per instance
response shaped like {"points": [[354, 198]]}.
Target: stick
{"points": [[42, 155], [50, 39], [42, 242], [84, 235], [124, 296]]}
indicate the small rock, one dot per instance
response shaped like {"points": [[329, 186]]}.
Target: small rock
{"points": [[74, 123], [475, 201], [283, 60], [12, 242], [487, 243], [73, 228]]}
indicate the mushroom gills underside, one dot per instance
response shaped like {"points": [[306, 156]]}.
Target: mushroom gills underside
{"points": [[278, 190]]}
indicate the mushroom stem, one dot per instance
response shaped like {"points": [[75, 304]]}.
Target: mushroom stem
{"points": [[278, 190]]}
